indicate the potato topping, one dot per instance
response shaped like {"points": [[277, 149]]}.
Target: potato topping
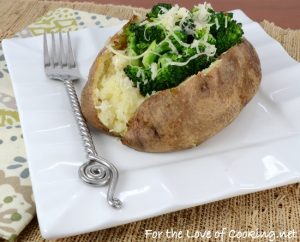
{"points": [[118, 99]]}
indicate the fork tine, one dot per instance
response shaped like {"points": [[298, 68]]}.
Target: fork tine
{"points": [[46, 53], [53, 51], [62, 57], [70, 54]]}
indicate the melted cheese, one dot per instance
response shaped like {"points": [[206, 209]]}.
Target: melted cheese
{"points": [[118, 99]]}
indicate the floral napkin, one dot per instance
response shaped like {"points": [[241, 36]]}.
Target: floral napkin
{"points": [[16, 200]]}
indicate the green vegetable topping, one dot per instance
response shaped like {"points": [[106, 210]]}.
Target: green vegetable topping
{"points": [[174, 43], [158, 9]]}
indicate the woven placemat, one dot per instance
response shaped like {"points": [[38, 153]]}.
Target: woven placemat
{"points": [[272, 210]]}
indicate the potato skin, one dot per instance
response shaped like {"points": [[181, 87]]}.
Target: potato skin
{"points": [[200, 107], [184, 116]]}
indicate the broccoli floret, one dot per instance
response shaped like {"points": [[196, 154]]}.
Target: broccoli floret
{"points": [[163, 47], [154, 50], [182, 36], [164, 60], [139, 37], [200, 63], [141, 78], [188, 52], [168, 76], [152, 33], [227, 33], [171, 75], [222, 18], [131, 37], [150, 55], [211, 39], [229, 36], [131, 45], [202, 32], [158, 9], [132, 73]]}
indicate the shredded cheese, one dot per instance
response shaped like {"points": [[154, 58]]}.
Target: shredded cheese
{"points": [[179, 41], [174, 63], [217, 23], [210, 50], [169, 18], [153, 70], [201, 16], [122, 53], [173, 48]]}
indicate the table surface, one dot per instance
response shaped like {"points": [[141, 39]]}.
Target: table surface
{"points": [[284, 13]]}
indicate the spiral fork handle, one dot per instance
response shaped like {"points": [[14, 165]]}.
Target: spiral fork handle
{"points": [[96, 171]]}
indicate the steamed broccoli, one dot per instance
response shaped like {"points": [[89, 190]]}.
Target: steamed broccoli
{"points": [[165, 45], [151, 54], [201, 34], [139, 37], [182, 36], [154, 50], [228, 37], [171, 75], [132, 72], [158, 9], [169, 56], [168, 76], [140, 77], [227, 33]]}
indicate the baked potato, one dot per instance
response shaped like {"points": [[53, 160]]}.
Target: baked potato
{"points": [[179, 117]]}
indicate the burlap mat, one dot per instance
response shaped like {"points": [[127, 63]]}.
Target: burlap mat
{"points": [[272, 210]]}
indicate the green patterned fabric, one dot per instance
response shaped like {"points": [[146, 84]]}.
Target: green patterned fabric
{"points": [[16, 200]]}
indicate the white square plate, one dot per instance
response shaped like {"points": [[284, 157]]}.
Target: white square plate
{"points": [[259, 150]]}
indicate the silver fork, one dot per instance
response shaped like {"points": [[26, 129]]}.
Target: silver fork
{"points": [[96, 171]]}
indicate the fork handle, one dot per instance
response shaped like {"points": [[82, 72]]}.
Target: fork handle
{"points": [[84, 131], [96, 171]]}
